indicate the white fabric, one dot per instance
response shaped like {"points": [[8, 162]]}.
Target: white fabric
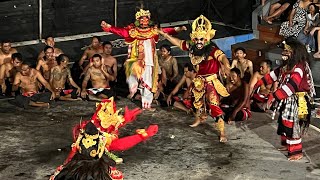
{"points": [[273, 76], [298, 70], [291, 142], [148, 56], [287, 90], [147, 96]]}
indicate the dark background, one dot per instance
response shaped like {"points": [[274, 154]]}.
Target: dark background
{"points": [[19, 18]]}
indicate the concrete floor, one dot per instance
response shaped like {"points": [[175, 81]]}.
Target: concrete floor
{"points": [[35, 141]]}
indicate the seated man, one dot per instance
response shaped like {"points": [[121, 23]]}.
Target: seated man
{"points": [[244, 65], [185, 102], [94, 48], [170, 66], [27, 79], [6, 52], [47, 62], [107, 59], [100, 76], [236, 106], [49, 41], [58, 77], [8, 71], [260, 96]]}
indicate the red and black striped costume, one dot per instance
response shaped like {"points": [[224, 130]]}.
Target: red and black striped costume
{"points": [[290, 82]]}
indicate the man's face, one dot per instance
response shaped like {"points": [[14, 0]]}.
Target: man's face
{"points": [[199, 42], [96, 62], [95, 43], [50, 42], [240, 54], [64, 63], [164, 52], [49, 53], [6, 47], [144, 21], [264, 68], [107, 49], [16, 62], [25, 70], [234, 78]]}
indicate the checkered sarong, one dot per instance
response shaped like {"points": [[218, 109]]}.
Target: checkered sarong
{"points": [[290, 113]]}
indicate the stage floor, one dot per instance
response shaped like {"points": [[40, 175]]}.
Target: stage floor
{"points": [[35, 141]]}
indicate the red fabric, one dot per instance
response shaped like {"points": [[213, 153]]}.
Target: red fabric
{"points": [[131, 115], [215, 110], [287, 123], [128, 142], [294, 149], [259, 97], [67, 91], [187, 103], [211, 66]]}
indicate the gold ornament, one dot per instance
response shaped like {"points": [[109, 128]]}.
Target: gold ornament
{"points": [[195, 60], [107, 115], [302, 105], [93, 153], [143, 13], [88, 142], [202, 28]]}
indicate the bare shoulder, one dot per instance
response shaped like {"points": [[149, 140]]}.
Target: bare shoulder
{"points": [[13, 50], [249, 62]]}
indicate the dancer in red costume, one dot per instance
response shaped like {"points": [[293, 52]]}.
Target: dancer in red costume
{"points": [[207, 58], [142, 66], [108, 122]]}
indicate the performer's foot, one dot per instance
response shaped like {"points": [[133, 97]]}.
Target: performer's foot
{"points": [[195, 123], [295, 157], [223, 139], [282, 148]]}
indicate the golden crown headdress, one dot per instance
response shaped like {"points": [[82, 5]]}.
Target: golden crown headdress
{"points": [[286, 46], [142, 13], [108, 116], [202, 28]]}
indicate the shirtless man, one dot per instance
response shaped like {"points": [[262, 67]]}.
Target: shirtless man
{"points": [[244, 65], [8, 71], [184, 103], [6, 52], [100, 76], [260, 96], [47, 62], [94, 48], [236, 107], [27, 79], [107, 59], [58, 77], [49, 41]]}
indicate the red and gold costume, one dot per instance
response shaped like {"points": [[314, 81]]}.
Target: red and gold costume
{"points": [[142, 66], [108, 122], [207, 88]]}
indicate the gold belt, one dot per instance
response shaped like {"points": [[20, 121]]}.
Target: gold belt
{"points": [[302, 105]]}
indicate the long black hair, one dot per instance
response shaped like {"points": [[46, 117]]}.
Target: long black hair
{"points": [[85, 168], [299, 53]]}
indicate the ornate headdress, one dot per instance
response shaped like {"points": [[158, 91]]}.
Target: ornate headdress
{"points": [[286, 46], [91, 143], [108, 114], [142, 13], [202, 28]]}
